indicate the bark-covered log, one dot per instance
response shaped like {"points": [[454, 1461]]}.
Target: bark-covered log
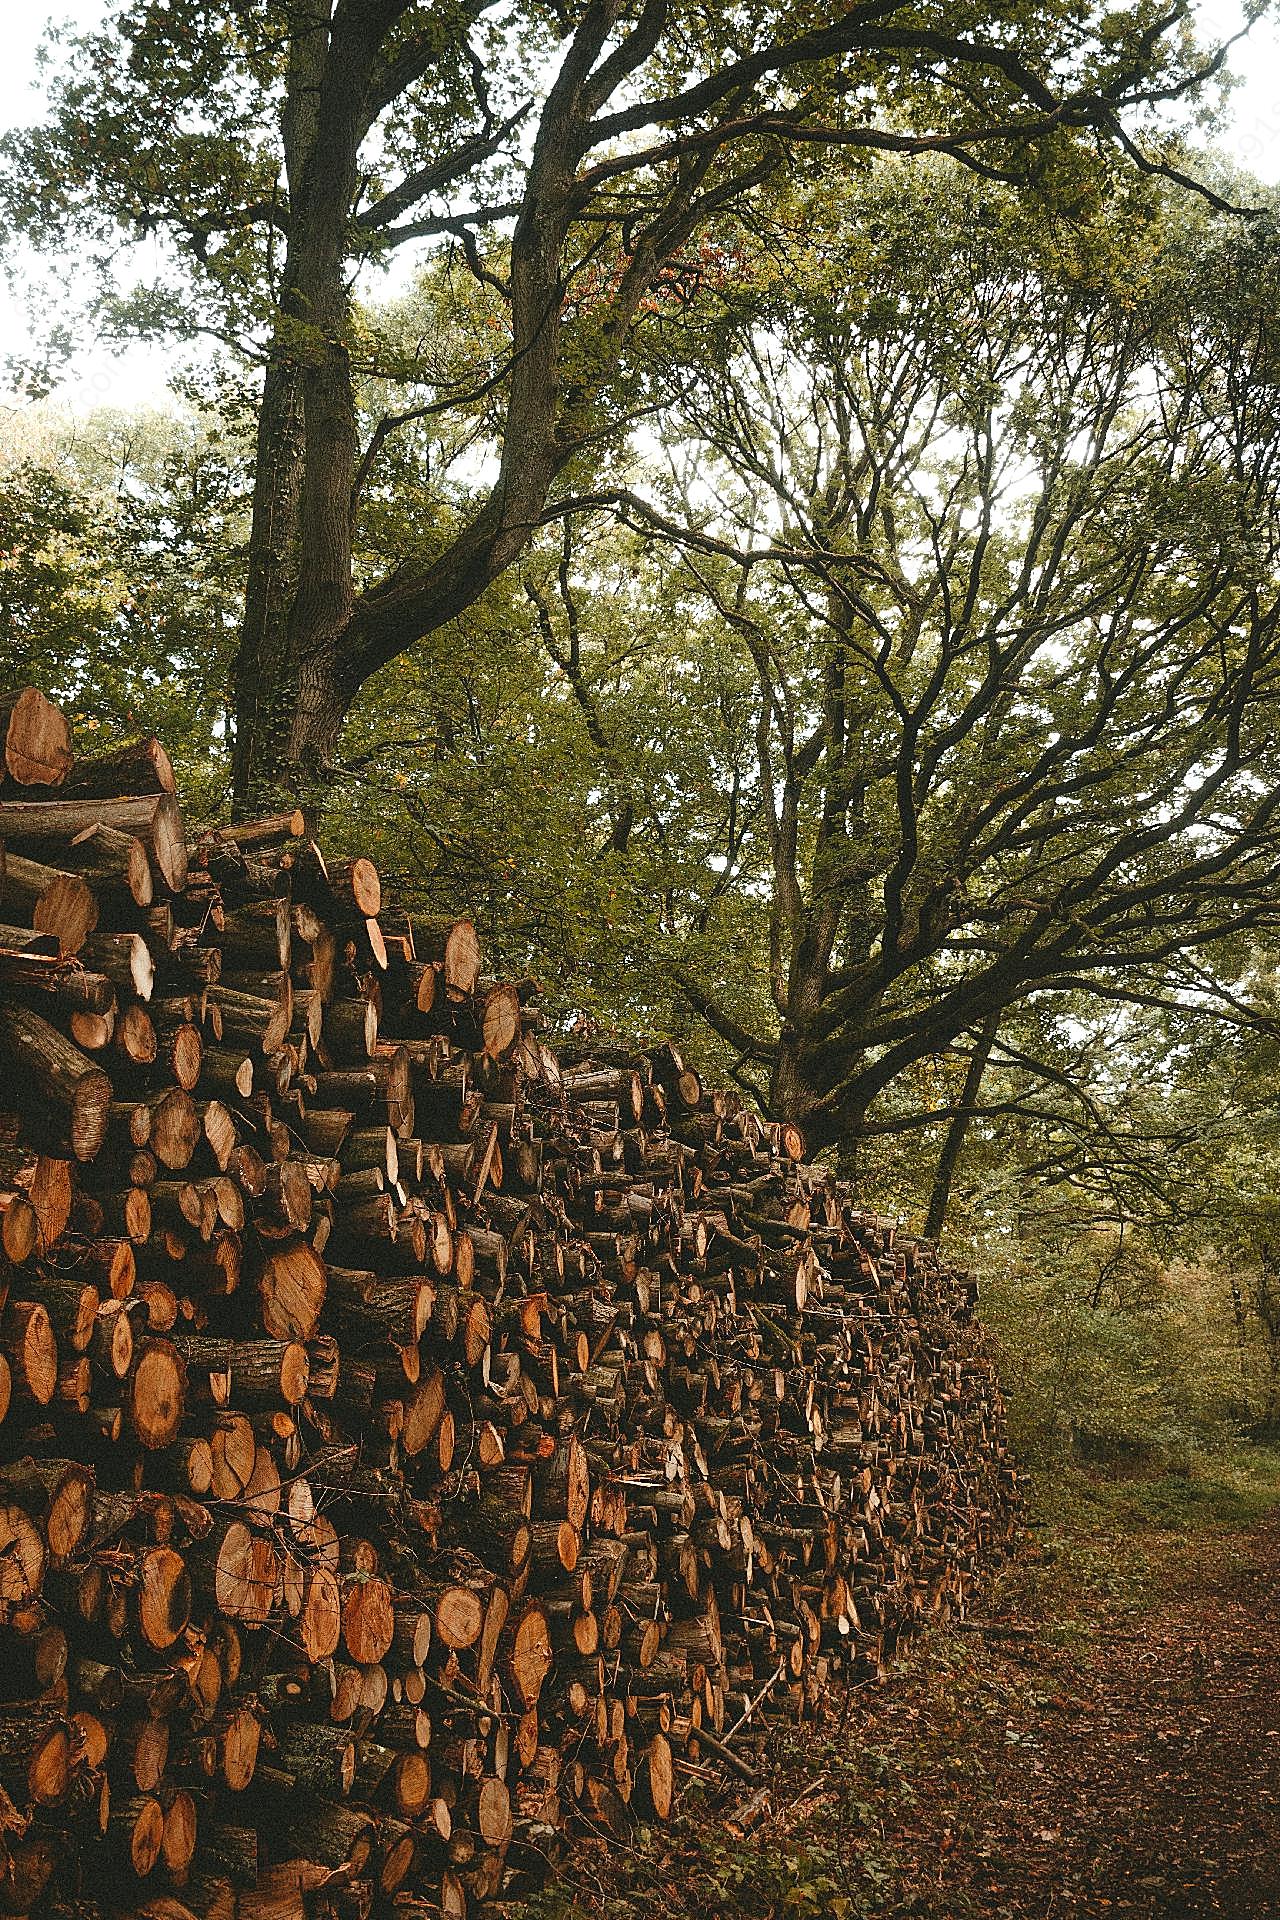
{"points": [[110, 859], [66, 1096], [59, 904], [454, 947], [140, 766], [155, 818]]}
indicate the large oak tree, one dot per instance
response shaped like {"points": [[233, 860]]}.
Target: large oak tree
{"points": [[989, 504], [566, 155]]}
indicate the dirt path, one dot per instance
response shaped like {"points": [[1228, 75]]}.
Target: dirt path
{"points": [[1115, 1751], [1136, 1774]]}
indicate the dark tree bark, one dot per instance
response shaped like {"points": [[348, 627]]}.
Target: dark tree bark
{"points": [[307, 644], [300, 590], [958, 1128]]}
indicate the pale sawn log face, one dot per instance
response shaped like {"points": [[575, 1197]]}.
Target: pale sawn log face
{"points": [[415, 1442], [35, 740]]}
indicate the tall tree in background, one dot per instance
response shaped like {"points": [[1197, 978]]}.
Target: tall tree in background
{"points": [[570, 156], [120, 578], [999, 537]]}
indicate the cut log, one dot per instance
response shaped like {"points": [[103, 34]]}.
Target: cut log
{"points": [[174, 1128], [177, 1850], [258, 934], [258, 833], [368, 1620], [292, 1291], [125, 959], [111, 1265], [59, 1494], [530, 1657], [247, 1575], [136, 1832], [135, 1037], [355, 883], [31, 1347], [164, 1598], [252, 1018], [140, 766], [35, 1753], [500, 1021], [59, 904], [36, 737], [106, 857], [23, 1558], [454, 946], [49, 1189], [154, 818], [258, 1373], [157, 1393], [19, 1227], [53, 1078], [33, 967]]}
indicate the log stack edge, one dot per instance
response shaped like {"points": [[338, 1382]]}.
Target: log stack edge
{"points": [[419, 1442]]}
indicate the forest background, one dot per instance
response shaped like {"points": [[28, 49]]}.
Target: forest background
{"points": [[881, 697]]}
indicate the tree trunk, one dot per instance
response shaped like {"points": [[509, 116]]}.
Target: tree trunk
{"points": [[958, 1128], [805, 1069], [307, 645], [299, 591], [260, 683]]}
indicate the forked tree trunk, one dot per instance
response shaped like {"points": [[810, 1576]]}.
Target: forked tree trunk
{"points": [[307, 645], [801, 1074]]}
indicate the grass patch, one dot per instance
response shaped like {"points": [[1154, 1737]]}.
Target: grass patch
{"points": [[1103, 1546], [1230, 1489]]}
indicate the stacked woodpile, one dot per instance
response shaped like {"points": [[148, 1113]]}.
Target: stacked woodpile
{"points": [[417, 1441]]}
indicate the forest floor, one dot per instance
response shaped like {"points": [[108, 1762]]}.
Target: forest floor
{"points": [[1106, 1744]]}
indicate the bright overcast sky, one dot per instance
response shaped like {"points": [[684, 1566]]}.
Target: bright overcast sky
{"points": [[106, 377]]}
